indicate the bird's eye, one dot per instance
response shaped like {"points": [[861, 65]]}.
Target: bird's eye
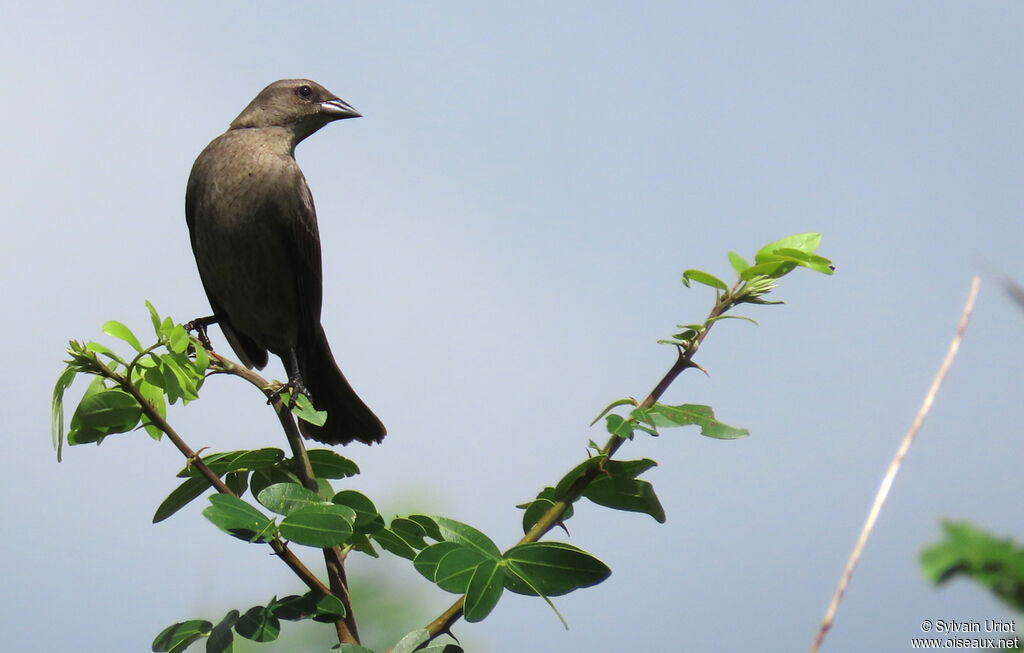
{"points": [[304, 91]]}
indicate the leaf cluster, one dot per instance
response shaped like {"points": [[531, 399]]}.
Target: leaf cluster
{"points": [[755, 280], [171, 369], [260, 623]]}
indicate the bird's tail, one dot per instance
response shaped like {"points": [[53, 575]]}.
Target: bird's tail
{"points": [[348, 418]]}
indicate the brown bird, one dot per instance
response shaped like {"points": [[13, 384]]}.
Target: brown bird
{"points": [[254, 234]]}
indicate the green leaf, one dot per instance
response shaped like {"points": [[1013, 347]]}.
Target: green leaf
{"points": [[324, 489], [619, 426], [660, 415], [732, 317], [803, 259], [392, 543], [455, 569], [352, 648], [552, 568], [320, 607], [485, 588], [703, 277], [807, 243], [106, 351], [155, 396], [104, 413], [118, 330], [262, 478], [256, 460], [329, 608], [738, 262], [180, 367], [258, 624], [238, 518], [321, 525], [57, 408], [628, 468], [173, 380], [182, 495], [427, 526], [286, 498], [154, 317], [237, 482], [453, 531], [579, 471], [366, 512], [442, 648], [968, 552], [202, 362], [166, 326], [304, 410], [328, 464], [613, 405], [535, 509], [427, 560], [781, 257], [414, 528], [411, 641], [772, 270], [176, 637], [178, 340], [361, 542], [218, 462], [626, 494], [294, 607], [221, 639]]}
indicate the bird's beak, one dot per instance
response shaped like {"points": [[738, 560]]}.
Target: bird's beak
{"points": [[338, 109]]}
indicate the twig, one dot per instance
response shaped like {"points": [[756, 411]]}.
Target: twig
{"points": [[334, 558], [280, 548], [553, 515], [894, 466]]}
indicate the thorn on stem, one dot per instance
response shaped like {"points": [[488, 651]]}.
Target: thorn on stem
{"points": [[194, 457], [691, 363], [448, 631]]}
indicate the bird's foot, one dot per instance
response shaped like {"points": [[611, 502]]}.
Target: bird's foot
{"points": [[199, 326], [294, 387]]}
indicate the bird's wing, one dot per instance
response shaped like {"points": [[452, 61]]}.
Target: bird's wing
{"points": [[250, 354], [305, 250]]}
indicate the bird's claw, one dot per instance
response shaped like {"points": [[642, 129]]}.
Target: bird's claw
{"points": [[294, 387], [199, 326]]}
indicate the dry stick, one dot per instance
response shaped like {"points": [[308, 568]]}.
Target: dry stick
{"points": [[894, 466]]}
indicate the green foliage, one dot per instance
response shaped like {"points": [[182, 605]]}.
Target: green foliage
{"points": [[465, 561], [969, 552], [260, 623], [177, 637], [660, 415], [617, 487], [239, 519], [171, 369], [131, 391]]}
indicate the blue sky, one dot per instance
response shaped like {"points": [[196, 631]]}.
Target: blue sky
{"points": [[503, 233]]}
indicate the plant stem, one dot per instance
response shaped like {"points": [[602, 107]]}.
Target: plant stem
{"points": [[553, 515], [280, 548], [334, 558]]}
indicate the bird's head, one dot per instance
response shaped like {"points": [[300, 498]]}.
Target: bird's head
{"points": [[300, 105]]}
